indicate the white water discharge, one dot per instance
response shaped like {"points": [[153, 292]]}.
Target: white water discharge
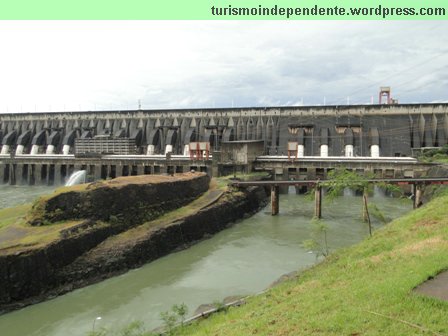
{"points": [[300, 151], [349, 150], [150, 150], [168, 149], [66, 149], [324, 150], [186, 150], [78, 177], [19, 149], [34, 150], [50, 149], [5, 149], [375, 151]]}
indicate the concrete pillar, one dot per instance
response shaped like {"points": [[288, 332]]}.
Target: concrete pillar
{"points": [[12, 174], [318, 201], [47, 178], [57, 174], [140, 169], [275, 200], [300, 150], [19, 174], [417, 191], [2, 173], [324, 150], [375, 151], [349, 150], [119, 170], [38, 174], [107, 171], [29, 176], [97, 172]]}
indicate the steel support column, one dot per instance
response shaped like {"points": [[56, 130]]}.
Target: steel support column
{"points": [[318, 201], [275, 191]]}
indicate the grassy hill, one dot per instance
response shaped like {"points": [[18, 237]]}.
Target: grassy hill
{"points": [[366, 289]]}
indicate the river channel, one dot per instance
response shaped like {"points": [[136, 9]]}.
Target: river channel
{"points": [[244, 259]]}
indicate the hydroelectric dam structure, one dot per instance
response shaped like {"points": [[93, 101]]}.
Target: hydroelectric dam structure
{"points": [[295, 142]]}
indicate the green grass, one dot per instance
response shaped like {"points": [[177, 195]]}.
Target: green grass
{"points": [[17, 235], [9, 216], [435, 159], [362, 290], [434, 155]]}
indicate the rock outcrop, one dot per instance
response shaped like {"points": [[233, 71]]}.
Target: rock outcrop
{"points": [[132, 199], [115, 232]]}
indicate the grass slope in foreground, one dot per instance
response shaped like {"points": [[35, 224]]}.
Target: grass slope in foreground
{"points": [[366, 289]]}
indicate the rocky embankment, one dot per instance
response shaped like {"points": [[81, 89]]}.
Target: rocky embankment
{"points": [[119, 225]]}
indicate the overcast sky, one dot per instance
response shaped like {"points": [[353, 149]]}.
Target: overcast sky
{"points": [[94, 65]]}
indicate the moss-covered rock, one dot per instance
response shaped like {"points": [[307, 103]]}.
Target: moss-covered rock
{"points": [[128, 199]]}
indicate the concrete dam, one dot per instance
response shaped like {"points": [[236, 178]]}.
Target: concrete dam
{"points": [[295, 142]]}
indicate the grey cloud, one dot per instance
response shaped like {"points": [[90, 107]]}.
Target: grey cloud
{"points": [[252, 63]]}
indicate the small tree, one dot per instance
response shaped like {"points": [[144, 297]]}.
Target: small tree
{"points": [[181, 310], [169, 320], [171, 317], [340, 179], [318, 242]]}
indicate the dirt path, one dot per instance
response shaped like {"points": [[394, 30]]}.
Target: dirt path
{"points": [[12, 233]]}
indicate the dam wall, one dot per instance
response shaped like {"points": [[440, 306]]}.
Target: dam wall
{"points": [[46, 146], [397, 128]]}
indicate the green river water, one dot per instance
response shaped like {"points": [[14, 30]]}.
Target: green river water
{"points": [[241, 260]]}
